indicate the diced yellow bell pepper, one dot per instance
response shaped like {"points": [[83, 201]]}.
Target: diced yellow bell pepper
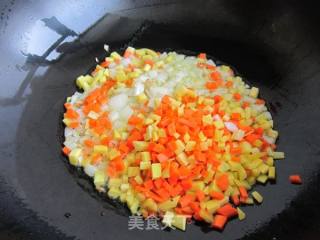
{"points": [[241, 214], [278, 155], [190, 146], [150, 205], [156, 170], [257, 196], [99, 178], [100, 149], [145, 156], [179, 221], [113, 153], [145, 165], [272, 173], [140, 145], [205, 215], [182, 159], [75, 156], [180, 146], [133, 171]]}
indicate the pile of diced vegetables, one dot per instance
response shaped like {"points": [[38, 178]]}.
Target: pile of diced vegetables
{"points": [[171, 135]]}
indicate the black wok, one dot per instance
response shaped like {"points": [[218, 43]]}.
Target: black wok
{"points": [[45, 45]]}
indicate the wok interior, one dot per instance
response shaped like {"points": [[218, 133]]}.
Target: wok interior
{"points": [[273, 45]]}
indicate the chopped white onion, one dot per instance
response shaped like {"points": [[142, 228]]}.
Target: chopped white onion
{"points": [[126, 113], [90, 170], [269, 139], [231, 126], [93, 115], [119, 101], [138, 89], [114, 116]]}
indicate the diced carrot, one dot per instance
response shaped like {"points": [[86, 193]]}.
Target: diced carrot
{"points": [[199, 156], [178, 210], [216, 76], [245, 104], [217, 98], [245, 128], [197, 217], [127, 53], [67, 105], [162, 157], [169, 153], [149, 61], [202, 56], [235, 150], [195, 206], [66, 150], [129, 82], [104, 122], [228, 211], [209, 131], [134, 120], [217, 195], [140, 188], [74, 125], [123, 147], [181, 129], [111, 172], [105, 140], [210, 67], [251, 138], [148, 184], [186, 184], [243, 192], [176, 190], [134, 135], [166, 100], [96, 159], [219, 221], [295, 179], [72, 114], [237, 96], [88, 143], [154, 147], [187, 211], [185, 200], [223, 182], [184, 172], [260, 101], [235, 199], [163, 140], [105, 64], [211, 85], [158, 182], [118, 164], [190, 123], [200, 195], [259, 131], [163, 193], [155, 197], [229, 84], [236, 116]]}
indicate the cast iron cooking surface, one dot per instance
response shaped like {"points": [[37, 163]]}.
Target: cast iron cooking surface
{"points": [[46, 45]]}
